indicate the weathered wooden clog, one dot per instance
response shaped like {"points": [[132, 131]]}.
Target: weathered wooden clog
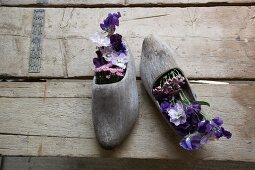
{"points": [[157, 60], [115, 108]]}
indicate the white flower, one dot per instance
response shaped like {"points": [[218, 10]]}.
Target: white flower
{"points": [[120, 60], [100, 40]]}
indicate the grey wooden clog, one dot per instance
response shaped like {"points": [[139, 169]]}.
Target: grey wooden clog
{"points": [[115, 108], [156, 61]]}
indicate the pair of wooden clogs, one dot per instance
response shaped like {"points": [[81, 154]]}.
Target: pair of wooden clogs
{"points": [[115, 106]]}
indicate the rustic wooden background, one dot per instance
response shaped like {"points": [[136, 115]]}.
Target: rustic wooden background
{"points": [[48, 114]]}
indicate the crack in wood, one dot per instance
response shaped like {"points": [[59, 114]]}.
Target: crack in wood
{"points": [[148, 17], [63, 48], [48, 136]]}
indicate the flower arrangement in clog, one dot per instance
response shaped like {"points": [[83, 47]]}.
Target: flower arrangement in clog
{"points": [[112, 59], [185, 114], [171, 92]]}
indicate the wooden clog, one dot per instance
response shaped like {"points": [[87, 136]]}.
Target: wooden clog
{"points": [[115, 108], [156, 61]]}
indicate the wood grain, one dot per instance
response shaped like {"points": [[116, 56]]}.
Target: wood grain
{"points": [[62, 2], [208, 42], [63, 163], [116, 2], [169, 2], [36, 120]]}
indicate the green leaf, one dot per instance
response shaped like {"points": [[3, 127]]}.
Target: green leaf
{"points": [[203, 103]]}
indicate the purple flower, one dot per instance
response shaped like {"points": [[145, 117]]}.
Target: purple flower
{"points": [[226, 133], [194, 107], [204, 126], [121, 60], [177, 114], [191, 142], [99, 61], [212, 129], [108, 53], [218, 121], [164, 106], [190, 126], [111, 22], [183, 129], [117, 44]]}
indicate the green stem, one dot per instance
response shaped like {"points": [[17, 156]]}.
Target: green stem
{"points": [[206, 116]]}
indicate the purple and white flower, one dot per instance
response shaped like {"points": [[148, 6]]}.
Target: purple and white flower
{"points": [[112, 57], [100, 40], [121, 60], [177, 114]]}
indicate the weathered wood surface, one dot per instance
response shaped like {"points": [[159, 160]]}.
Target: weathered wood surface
{"points": [[169, 2], [116, 2], [54, 119], [56, 163], [211, 42]]}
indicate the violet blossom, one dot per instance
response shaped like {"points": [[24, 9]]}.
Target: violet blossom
{"points": [[117, 43], [212, 129], [112, 57], [109, 24], [121, 60], [191, 142], [177, 114]]}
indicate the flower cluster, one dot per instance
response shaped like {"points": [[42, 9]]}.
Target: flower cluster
{"points": [[112, 59], [185, 114]]}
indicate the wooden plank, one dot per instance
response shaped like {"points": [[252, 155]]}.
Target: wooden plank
{"points": [[62, 163], [167, 2], [208, 42], [62, 2], [48, 123], [117, 2]]}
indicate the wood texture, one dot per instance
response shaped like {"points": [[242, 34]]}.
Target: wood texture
{"points": [[211, 42], [116, 2], [47, 122], [56, 163], [62, 2], [169, 2], [115, 107]]}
